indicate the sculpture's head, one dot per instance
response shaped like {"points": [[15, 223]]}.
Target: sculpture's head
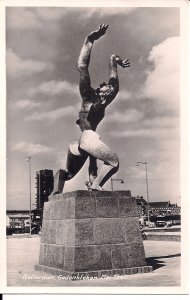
{"points": [[105, 90]]}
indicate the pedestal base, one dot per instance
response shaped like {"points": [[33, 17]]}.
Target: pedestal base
{"points": [[93, 274], [92, 234]]}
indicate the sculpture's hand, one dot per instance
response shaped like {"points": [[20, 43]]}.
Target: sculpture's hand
{"points": [[102, 28], [95, 35], [124, 63]]}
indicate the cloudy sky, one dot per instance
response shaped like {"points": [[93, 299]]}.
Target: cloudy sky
{"points": [[142, 124]]}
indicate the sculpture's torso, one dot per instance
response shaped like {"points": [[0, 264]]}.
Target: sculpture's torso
{"points": [[91, 114]]}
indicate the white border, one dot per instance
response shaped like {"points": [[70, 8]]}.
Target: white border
{"points": [[183, 4]]}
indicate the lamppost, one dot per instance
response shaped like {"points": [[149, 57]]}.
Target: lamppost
{"points": [[145, 164], [28, 159], [115, 179]]}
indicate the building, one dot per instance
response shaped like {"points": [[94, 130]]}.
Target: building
{"points": [[141, 206], [18, 221], [157, 208], [164, 208], [44, 186]]}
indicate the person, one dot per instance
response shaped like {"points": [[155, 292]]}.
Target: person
{"points": [[94, 103]]}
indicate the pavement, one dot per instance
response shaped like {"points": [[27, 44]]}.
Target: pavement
{"points": [[23, 254], [163, 236], [176, 228]]}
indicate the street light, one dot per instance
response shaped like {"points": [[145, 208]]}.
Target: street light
{"points": [[115, 179], [145, 164], [28, 159]]}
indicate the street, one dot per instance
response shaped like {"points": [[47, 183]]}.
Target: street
{"points": [[23, 254]]}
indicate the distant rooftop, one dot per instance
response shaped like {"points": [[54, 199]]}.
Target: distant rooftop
{"points": [[162, 204], [19, 216]]}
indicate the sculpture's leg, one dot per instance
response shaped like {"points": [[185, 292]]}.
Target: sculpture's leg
{"points": [[75, 161], [92, 171], [91, 143], [105, 173]]}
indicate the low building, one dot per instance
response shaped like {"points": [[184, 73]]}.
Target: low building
{"points": [[164, 208], [18, 221], [158, 210]]}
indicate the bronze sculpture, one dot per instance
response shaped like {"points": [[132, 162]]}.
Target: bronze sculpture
{"points": [[94, 103]]}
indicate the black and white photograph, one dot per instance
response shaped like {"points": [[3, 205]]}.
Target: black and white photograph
{"points": [[95, 108]]}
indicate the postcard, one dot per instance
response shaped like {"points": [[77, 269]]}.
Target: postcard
{"points": [[94, 147]]}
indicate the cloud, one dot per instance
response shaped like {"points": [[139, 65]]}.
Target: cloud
{"points": [[107, 11], [126, 116], [22, 18], [52, 115], [154, 133], [156, 128], [155, 121], [167, 171], [162, 83], [54, 88], [51, 14], [30, 148], [137, 172], [27, 104], [18, 66], [62, 159], [163, 170], [33, 18], [132, 133], [110, 11], [160, 169], [124, 95]]}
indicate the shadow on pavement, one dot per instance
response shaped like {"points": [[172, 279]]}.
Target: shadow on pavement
{"points": [[156, 263]]}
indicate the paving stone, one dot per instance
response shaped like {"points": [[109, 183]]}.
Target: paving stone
{"points": [[69, 257], [53, 207], [85, 208], [84, 232], [42, 256], [70, 208], [61, 232], [132, 230], [61, 209], [127, 207], [44, 231], [93, 258], [109, 231], [127, 256], [107, 207], [46, 212], [49, 231]]}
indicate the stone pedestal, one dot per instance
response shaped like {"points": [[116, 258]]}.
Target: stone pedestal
{"points": [[91, 234]]}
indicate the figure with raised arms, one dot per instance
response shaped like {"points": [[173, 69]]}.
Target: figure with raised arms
{"points": [[94, 103]]}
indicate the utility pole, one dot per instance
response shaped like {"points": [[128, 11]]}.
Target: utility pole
{"points": [[28, 159], [147, 192]]}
